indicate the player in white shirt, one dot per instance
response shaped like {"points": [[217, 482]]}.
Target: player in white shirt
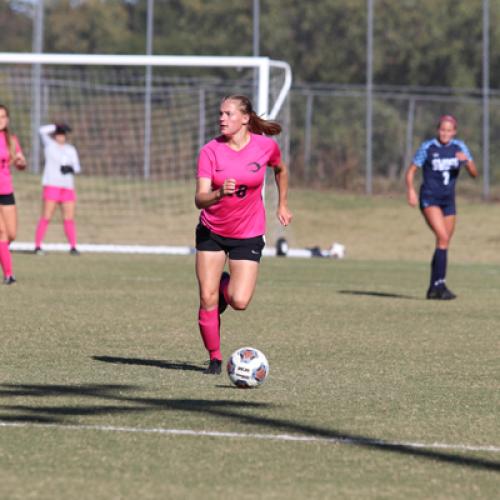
{"points": [[61, 165]]}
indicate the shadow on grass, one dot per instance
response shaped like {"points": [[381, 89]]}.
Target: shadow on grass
{"points": [[168, 365], [121, 403], [378, 294]]}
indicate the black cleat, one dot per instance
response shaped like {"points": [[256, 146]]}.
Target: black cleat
{"points": [[222, 300], [74, 251], [214, 368], [447, 294], [9, 280], [433, 293], [38, 251], [440, 293]]}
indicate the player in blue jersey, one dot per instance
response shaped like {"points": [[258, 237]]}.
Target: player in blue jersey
{"points": [[440, 160]]}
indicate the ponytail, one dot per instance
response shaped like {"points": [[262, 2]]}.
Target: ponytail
{"points": [[256, 124]]}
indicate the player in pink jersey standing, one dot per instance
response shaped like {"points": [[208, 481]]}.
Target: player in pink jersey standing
{"points": [[231, 173], [10, 154]]}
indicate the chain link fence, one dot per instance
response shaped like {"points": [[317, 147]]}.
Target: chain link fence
{"points": [[328, 133]]}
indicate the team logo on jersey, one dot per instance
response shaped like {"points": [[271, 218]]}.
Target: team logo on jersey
{"points": [[444, 164], [254, 166]]}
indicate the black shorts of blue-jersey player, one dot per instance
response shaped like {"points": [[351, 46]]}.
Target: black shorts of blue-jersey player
{"points": [[446, 204], [440, 160]]}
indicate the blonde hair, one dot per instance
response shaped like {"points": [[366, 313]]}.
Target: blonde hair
{"points": [[256, 124], [11, 144]]}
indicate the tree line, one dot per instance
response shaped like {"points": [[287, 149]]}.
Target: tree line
{"points": [[416, 42], [420, 43]]}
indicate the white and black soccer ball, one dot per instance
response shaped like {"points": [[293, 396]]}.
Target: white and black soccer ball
{"points": [[247, 367]]}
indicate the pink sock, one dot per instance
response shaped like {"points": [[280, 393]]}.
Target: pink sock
{"points": [[70, 231], [209, 329], [40, 231], [5, 259]]}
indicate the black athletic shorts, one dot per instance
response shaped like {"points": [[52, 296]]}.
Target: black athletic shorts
{"points": [[446, 204], [236, 248], [7, 199]]}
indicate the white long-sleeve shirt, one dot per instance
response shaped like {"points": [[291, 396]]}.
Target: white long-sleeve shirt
{"points": [[57, 155]]}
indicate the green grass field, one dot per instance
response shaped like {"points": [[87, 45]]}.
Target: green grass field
{"points": [[101, 373]]}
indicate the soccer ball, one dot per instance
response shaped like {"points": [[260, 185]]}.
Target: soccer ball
{"points": [[247, 367], [337, 251]]}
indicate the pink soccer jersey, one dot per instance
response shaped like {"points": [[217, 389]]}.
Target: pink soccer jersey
{"points": [[241, 215], [6, 186]]}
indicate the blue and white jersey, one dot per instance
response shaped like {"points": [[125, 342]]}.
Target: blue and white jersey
{"points": [[440, 166]]}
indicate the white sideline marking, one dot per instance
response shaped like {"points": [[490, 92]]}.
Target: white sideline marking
{"points": [[87, 247], [268, 437], [23, 246]]}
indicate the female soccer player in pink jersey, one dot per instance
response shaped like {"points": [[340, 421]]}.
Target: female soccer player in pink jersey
{"points": [[10, 154], [231, 172]]}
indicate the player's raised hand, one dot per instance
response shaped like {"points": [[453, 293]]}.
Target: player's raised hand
{"points": [[462, 158]]}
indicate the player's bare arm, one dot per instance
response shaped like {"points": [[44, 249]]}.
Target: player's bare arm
{"points": [[471, 168], [411, 194], [281, 177], [469, 164], [206, 196]]}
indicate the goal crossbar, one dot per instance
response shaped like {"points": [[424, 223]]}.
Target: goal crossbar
{"points": [[263, 64]]}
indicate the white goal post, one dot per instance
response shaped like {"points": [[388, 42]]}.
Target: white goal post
{"points": [[262, 64], [137, 134]]}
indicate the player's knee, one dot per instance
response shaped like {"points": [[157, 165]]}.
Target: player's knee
{"points": [[208, 299], [443, 241], [239, 303]]}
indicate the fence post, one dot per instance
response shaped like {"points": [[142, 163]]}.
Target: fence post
{"points": [[147, 92], [307, 136], [486, 100], [36, 80], [409, 132], [369, 98], [201, 118]]}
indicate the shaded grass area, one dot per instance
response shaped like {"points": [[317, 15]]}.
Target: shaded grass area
{"points": [[355, 352]]}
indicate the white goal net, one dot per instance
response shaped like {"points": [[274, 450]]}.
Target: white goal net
{"points": [[138, 123]]}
